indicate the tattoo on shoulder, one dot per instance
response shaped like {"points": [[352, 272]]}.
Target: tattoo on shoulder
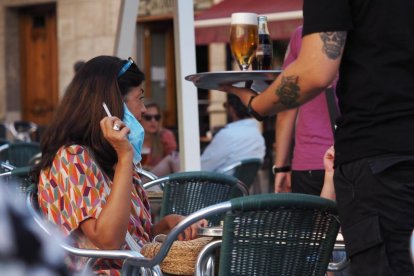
{"points": [[333, 43], [288, 91]]}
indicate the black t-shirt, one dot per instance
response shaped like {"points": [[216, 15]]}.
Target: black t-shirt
{"points": [[376, 81]]}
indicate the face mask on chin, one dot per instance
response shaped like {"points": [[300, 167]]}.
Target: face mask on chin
{"points": [[136, 134]]}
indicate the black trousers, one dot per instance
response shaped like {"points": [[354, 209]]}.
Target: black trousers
{"points": [[376, 208], [307, 182]]}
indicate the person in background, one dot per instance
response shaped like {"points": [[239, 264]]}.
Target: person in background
{"points": [[87, 184], [371, 43], [239, 139], [78, 65], [308, 127], [159, 142]]}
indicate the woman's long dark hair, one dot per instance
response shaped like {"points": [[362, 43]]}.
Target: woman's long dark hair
{"points": [[77, 119]]}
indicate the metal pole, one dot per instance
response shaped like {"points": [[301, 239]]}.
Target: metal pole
{"points": [[125, 34], [187, 99]]}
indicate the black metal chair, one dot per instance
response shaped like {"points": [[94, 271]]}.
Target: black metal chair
{"points": [[18, 177], [187, 192], [22, 130], [275, 234], [245, 170], [19, 154]]}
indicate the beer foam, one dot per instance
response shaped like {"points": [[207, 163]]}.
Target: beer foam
{"points": [[244, 18]]}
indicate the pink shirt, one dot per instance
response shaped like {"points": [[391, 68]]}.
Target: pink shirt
{"points": [[313, 131]]}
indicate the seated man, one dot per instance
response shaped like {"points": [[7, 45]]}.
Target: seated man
{"points": [[240, 139]]}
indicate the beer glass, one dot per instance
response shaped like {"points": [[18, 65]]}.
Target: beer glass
{"points": [[243, 38]]}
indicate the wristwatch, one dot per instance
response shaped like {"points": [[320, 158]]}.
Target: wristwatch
{"points": [[276, 170]]}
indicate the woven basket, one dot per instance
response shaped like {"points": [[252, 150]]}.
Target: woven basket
{"points": [[182, 256]]}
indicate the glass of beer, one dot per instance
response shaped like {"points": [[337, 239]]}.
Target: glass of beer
{"points": [[243, 38], [145, 154]]}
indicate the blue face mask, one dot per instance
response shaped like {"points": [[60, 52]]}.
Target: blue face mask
{"points": [[136, 135]]}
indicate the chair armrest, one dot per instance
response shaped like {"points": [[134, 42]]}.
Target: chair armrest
{"points": [[146, 173], [341, 265], [172, 236], [4, 147], [231, 167], [204, 254], [159, 181]]}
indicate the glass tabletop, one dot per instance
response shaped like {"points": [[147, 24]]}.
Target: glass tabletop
{"points": [[214, 231]]}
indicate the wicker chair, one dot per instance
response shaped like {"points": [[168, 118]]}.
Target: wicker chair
{"points": [[244, 170], [19, 154], [275, 234], [186, 192]]}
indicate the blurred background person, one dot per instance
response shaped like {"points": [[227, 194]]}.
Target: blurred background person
{"points": [[25, 248], [305, 130], [78, 65], [158, 142], [240, 139]]}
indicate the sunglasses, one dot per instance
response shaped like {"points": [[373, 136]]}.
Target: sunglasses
{"points": [[125, 67], [150, 117]]}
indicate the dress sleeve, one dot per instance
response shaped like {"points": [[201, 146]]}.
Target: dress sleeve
{"points": [[168, 140], [72, 190]]}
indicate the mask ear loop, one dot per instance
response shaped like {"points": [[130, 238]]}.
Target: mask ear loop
{"points": [[138, 168]]}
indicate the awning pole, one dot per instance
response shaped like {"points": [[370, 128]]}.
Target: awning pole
{"points": [[125, 34], [187, 99]]}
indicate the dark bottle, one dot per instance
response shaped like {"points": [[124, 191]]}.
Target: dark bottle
{"points": [[264, 52]]}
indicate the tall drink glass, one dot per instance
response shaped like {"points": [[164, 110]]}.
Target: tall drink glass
{"points": [[243, 38]]}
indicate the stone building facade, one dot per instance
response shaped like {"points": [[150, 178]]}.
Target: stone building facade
{"points": [[84, 29]]}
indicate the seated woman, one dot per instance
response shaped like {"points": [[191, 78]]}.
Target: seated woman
{"points": [[87, 182], [159, 142]]}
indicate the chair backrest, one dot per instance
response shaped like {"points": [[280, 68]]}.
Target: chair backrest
{"points": [[244, 170], [278, 234], [187, 192], [3, 141], [18, 177], [19, 153]]}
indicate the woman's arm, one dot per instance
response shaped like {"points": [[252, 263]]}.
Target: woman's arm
{"points": [[167, 223], [108, 231]]}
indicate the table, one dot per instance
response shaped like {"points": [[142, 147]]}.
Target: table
{"points": [[155, 199], [215, 231]]}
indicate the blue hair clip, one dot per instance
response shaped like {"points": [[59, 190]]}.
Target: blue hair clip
{"points": [[125, 67]]}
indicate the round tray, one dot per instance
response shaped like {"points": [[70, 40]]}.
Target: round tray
{"points": [[213, 80]]}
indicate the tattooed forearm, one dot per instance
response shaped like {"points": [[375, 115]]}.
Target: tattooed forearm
{"points": [[288, 91], [333, 43]]}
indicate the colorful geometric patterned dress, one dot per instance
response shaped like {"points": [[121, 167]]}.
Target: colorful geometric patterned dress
{"points": [[72, 190]]}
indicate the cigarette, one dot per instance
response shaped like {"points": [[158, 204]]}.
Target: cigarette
{"points": [[106, 110]]}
